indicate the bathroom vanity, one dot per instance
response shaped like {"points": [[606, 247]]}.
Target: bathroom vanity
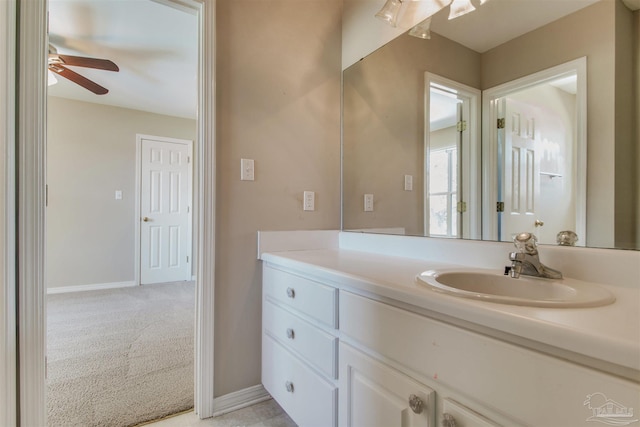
{"points": [[352, 338]]}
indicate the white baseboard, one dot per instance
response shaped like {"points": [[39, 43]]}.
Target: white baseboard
{"points": [[239, 399], [93, 287]]}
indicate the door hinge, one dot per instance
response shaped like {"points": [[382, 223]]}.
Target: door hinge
{"points": [[501, 124], [188, 159], [461, 126], [462, 207], [500, 207], [46, 196], [187, 258]]}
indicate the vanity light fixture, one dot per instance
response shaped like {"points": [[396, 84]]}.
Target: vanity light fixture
{"points": [[391, 9], [460, 7], [389, 12], [422, 30]]}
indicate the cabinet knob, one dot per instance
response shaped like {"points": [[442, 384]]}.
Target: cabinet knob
{"points": [[448, 420], [289, 386], [416, 404], [290, 333], [291, 293]]}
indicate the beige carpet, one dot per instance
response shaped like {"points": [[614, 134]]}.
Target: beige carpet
{"points": [[120, 357]]}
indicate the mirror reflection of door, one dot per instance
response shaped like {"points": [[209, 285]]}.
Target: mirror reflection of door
{"points": [[522, 167], [451, 159], [446, 123], [538, 167]]}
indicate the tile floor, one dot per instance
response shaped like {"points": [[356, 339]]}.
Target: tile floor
{"points": [[264, 414]]}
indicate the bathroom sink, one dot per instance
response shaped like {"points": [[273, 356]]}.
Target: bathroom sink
{"points": [[488, 285]]}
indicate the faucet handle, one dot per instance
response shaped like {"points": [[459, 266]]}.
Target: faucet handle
{"points": [[526, 243], [516, 256]]}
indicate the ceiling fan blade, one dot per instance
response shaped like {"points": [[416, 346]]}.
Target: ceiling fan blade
{"points": [[81, 61], [78, 79]]}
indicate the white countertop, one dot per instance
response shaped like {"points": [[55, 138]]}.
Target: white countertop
{"points": [[610, 333]]}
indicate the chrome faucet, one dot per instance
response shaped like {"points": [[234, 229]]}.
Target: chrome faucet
{"points": [[526, 261]]}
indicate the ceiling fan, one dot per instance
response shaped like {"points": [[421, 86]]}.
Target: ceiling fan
{"points": [[57, 64]]}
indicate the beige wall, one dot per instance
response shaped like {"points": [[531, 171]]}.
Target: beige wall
{"points": [[278, 84], [636, 38], [626, 176], [91, 152], [383, 127]]}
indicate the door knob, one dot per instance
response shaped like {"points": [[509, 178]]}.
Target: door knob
{"points": [[146, 219]]}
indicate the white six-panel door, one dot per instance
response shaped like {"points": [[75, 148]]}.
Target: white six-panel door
{"points": [[165, 211], [521, 170]]}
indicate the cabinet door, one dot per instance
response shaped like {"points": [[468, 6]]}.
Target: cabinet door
{"points": [[455, 414], [373, 394]]}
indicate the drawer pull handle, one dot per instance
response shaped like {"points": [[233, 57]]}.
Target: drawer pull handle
{"points": [[448, 420], [416, 404], [291, 293], [290, 333], [289, 386]]}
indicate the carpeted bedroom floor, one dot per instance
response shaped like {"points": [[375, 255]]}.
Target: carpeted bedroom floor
{"points": [[120, 357]]}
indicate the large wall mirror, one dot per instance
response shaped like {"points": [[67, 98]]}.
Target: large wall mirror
{"points": [[481, 140]]}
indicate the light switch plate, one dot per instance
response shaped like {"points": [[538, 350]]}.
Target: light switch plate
{"points": [[118, 194], [247, 172], [408, 183]]}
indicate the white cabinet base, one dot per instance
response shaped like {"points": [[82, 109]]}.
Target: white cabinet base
{"points": [[375, 395]]}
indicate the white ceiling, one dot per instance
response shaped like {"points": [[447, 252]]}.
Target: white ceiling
{"points": [[154, 45], [499, 21]]}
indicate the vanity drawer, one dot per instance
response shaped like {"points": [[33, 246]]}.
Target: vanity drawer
{"points": [[306, 296], [306, 397], [313, 344]]}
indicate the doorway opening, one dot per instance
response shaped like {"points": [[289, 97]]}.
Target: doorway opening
{"points": [[31, 186], [452, 159], [115, 347], [536, 155]]}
